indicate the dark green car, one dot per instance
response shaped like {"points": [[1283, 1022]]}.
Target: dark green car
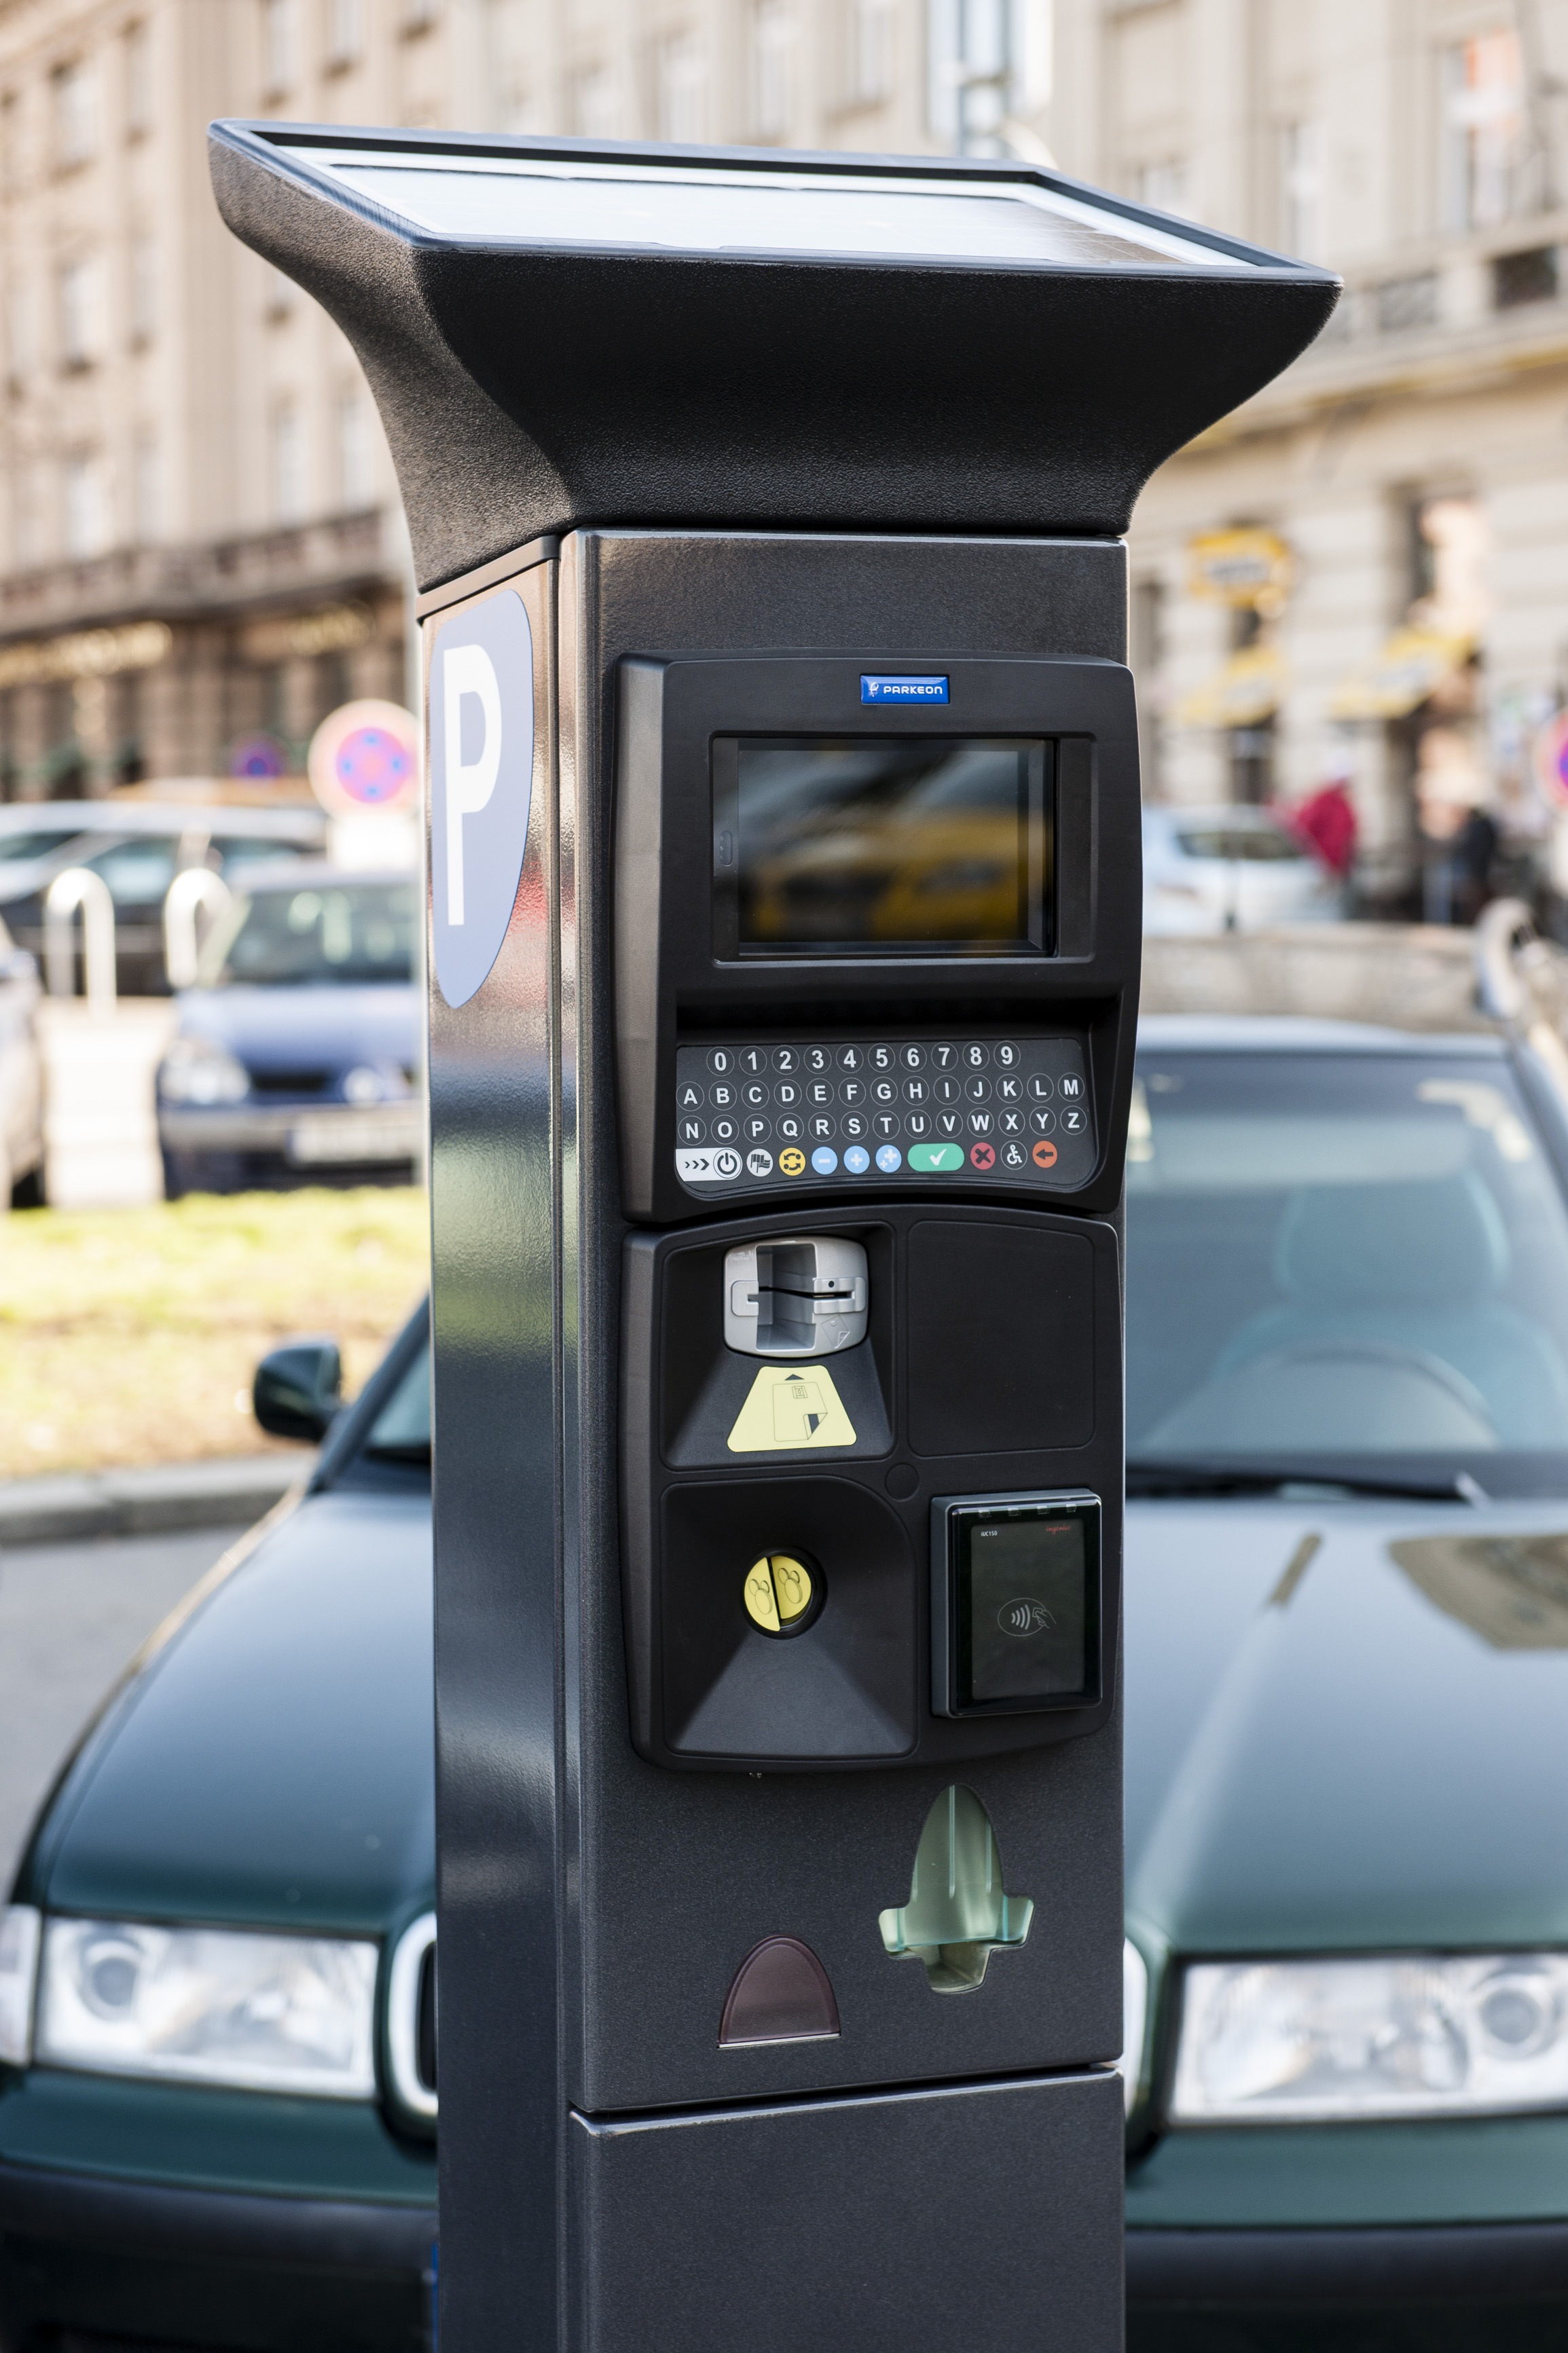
{"points": [[1347, 1688], [1347, 1779], [217, 2091]]}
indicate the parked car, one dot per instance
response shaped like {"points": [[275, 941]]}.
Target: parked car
{"points": [[296, 1056], [1236, 869], [137, 848], [217, 2075], [1347, 1677], [1347, 1694], [21, 1078]]}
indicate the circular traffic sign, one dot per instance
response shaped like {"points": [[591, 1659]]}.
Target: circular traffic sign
{"points": [[1552, 760], [365, 760]]}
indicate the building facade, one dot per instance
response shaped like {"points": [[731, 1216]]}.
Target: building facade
{"points": [[1412, 467], [201, 548]]}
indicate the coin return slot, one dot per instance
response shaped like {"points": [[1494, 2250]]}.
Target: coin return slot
{"points": [[783, 1593]]}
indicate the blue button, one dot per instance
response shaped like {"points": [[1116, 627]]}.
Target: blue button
{"points": [[856, 1160], [824, 1160], [888, 1158], [881, 687]]}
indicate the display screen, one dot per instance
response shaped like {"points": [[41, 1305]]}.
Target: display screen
{"points": [[1027, 1606], [882, 846]]}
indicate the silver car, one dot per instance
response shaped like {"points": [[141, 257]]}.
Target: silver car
{"points": [[1234, 869]]}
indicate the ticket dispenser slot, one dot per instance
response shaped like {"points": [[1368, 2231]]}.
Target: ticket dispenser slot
{"points": [[804, 1295]]}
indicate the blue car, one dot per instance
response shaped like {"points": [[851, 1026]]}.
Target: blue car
{"points": [[296, 1058]]}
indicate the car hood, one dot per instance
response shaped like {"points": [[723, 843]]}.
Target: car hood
{"points": [[273, 1762], [325, 1024], [1347, 1725]]}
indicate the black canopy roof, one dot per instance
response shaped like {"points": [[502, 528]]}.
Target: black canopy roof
{"points": [[560, 331]]}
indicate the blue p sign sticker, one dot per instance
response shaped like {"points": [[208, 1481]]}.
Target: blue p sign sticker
{"points": [[481, 784]]}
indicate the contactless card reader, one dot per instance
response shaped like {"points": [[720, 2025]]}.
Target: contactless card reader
{"points": [[1016, 1603], [803, 1295]]}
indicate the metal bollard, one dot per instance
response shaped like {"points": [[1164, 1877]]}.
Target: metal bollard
{"points": [[198, 886], [79, 887]]}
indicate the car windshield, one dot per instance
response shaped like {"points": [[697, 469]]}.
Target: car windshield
{"points": [[16, 848], [342, 931], [401, 1431], [1336, 1258], [1257, 845], [138, 871]]}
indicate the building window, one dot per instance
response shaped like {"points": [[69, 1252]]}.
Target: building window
{"points": [[81, 313], [279, 46], [138, 80], [345, 34], [87, 517], [680, 91], [1528, 277], [1301, 190], [26, 517], [287, 464], [21, 353], [10, 141], [76, 114], [149, 489], [1163, 187], [1146, 653], [773, 68], [281, 296], [356, 449], [989, 65], [869, 66], [1484, 130], [1404, 303], [143, 304], [593, 109]]}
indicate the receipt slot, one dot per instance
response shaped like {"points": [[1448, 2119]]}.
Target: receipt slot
{"points": [[784, 902]]}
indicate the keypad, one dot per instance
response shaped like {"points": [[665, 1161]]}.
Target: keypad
{"points": [[985, 1111]]}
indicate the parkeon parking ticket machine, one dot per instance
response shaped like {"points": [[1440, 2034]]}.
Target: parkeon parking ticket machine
{"points": [[784, 919]]}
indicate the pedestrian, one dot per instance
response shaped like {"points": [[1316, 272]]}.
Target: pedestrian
{"points": [[1327, 819]]}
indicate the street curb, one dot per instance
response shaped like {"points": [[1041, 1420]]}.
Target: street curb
{"points": [[228, 1492]]}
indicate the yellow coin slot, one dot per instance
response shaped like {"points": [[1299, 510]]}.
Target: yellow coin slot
{"points": [[791, 1586], [762, 1604], [778, 1592]]}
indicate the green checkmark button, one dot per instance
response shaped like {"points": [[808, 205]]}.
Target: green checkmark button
{"points": [[928, 1156]]}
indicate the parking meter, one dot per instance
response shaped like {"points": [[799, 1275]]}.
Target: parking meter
{"points": [[785, 931]]}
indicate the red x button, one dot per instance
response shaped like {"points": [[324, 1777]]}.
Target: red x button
{"points": [[982, 1155]]}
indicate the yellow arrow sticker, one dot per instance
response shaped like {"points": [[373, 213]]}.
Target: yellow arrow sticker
{"points": [[791, 1406]]}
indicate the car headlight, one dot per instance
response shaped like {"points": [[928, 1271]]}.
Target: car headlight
{"points": [[1291, 2042], [1134, 2016], [18, 1971], [210, 2006], [199, 1071]]}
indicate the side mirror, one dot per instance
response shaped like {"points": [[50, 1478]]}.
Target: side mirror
{"points": [[299, 1388]]}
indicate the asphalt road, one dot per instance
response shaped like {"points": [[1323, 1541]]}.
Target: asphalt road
{"points": [[70, 1617]]}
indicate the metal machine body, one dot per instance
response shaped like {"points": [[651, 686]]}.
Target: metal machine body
{"points": [[785, 918]]}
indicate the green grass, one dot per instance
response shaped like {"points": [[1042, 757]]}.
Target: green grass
{"points": [[130, 1335]]}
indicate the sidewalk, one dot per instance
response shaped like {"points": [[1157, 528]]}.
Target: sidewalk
{"points": [[219, 1492]]}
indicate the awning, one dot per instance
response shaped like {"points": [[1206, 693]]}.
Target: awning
{"points": [[1407, 668], [1250, 688]]}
